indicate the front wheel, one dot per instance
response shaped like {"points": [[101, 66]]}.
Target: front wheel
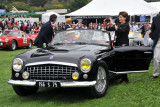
{"points": [[100, 89], [25, 90], [13, 46]]}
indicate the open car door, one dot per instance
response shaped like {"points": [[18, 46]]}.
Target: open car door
{"points": [[130, 59]]}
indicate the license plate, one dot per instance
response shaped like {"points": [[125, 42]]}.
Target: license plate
{"points": [[48, 84]]}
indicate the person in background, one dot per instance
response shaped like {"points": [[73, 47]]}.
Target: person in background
{"points": [[142, 29], [122, 31], [46, 33], [27, 29], [69, 23], [15, 27], [155, 35]]}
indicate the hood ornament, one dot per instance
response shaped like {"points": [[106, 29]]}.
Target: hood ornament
{"points": [[51, 57]]}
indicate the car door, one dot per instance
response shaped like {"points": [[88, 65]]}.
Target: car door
{"points": [[130, 59], [24, 38]]}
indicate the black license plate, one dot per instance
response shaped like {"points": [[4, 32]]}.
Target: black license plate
{"points": [[48, 84]]}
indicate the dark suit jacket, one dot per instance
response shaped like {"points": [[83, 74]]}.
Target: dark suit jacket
{"points": [[121, 34], [45, 35], [67, 26], [155, 29]]}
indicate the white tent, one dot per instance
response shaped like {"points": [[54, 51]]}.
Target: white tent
{"points": [[46, 16], [113, 7], [155, 4]]}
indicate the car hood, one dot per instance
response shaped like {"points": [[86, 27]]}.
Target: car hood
{"points": [[33, 35], [3, 37], [64, 53]]}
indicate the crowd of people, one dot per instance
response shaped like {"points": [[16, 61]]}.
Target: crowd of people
{"points": [[27, 26]]}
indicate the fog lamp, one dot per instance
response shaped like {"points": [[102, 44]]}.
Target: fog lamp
{"points": [[17, 75], [25, 75], [85, 76], [75, 75]]}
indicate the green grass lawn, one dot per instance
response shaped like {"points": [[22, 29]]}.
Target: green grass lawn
{"points": [[141, 91]]}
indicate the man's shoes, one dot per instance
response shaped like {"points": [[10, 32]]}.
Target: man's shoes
{"points": [[154, 77]]}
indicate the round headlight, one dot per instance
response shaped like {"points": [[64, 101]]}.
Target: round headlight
{"points": [[17, 64], [85, 65], [6, 40]]}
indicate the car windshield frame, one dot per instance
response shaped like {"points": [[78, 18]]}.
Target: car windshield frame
{"points": [[85, 37], [11, 33]]}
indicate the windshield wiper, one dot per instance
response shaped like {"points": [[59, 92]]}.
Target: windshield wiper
{"points": [[58, 44], [81, 43]]}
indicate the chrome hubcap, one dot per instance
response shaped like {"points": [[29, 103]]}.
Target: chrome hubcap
{"points": [[101, 79], [13, 45], [30, 44]]}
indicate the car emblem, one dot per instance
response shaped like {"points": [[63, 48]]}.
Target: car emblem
{"points": [[51, 57]]}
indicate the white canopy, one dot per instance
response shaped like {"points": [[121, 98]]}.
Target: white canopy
{"points": [[155, 4], [113, 7], [46, 16]]}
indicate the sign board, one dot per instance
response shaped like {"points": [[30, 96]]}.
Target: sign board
{"points": [[3, 11], [142, 18], [88, 17]]}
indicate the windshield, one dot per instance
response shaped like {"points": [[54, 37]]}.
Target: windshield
{"points": [[34, 32], [81, 37], [15, 33]]}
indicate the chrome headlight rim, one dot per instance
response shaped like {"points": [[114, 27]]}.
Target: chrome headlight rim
{"points": [[82, 69], [14, 62], [6, 40]]}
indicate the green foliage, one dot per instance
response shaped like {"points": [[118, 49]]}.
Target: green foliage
{"points": [[19, 5], [76, 4], [2, 6]]}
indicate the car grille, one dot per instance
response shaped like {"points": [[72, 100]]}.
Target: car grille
{"points": [[51, 72]]}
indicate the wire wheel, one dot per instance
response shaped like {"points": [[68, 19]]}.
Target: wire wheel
{"points": [[101, 80]]}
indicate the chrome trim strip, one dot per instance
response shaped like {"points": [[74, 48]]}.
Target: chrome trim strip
{"points": [[21, 83], [147, 52], [52, 62], [128, 72], [62, 83], [78, 84]]}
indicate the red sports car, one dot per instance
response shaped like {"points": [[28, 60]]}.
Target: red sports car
{"points": [[33, 34], [15, 38]]}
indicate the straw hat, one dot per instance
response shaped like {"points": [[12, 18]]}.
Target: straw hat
{"points": [[68, 20]]}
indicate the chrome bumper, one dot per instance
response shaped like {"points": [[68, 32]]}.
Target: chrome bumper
{"points": [[62, 83]]}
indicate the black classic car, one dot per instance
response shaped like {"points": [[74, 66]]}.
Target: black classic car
{"points": [[77, 58]]}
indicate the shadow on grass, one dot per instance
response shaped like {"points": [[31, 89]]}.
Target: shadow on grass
{"points": [[60, 95]]}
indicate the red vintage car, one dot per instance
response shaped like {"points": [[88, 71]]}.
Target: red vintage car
{"points": [[33, 34], [13, 39]]}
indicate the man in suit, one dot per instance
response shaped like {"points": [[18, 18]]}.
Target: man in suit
{"points": [[46, 33], [155, 35], [69, 23]]}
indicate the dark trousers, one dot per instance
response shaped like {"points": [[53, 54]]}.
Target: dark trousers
{"points": [[39, 44]]}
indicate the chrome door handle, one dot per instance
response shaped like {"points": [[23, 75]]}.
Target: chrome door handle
{"points": [[147, 52]]}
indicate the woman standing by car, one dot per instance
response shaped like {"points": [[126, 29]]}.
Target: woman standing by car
{"points": [[121, 29]]}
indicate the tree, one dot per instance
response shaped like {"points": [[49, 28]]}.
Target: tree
{"points": [[76, 4]]}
